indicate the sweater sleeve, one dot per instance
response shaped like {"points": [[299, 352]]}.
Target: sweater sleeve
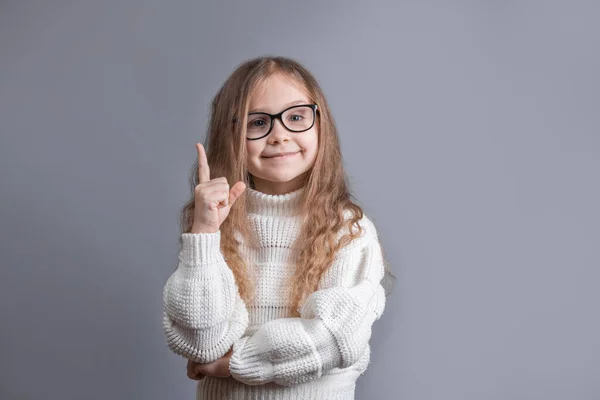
{"points": [[332, 331], [203, 311]]}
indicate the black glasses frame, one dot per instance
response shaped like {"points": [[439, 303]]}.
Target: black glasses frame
{"points": [[273, 117]]}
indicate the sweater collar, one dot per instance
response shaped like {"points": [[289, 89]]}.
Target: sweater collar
{"points": [[264, 204]]}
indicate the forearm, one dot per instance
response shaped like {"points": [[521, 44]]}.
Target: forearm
{"points": [[333, 330], [289, 351]]}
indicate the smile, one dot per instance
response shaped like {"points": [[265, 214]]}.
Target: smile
{"points": [[282, 157]]}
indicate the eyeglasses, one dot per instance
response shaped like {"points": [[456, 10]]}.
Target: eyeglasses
{"points": [[298, 118]]}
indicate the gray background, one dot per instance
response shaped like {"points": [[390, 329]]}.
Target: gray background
{"points": [[470, 131]]}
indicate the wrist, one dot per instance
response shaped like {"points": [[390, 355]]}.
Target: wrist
{"points": [[201, 248], [200, 229]]}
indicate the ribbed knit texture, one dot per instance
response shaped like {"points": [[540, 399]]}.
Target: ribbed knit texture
{"points": [[318, 355]]}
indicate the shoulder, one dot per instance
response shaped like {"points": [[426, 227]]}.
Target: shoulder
{"points": [[368, 231], [357, 261]]}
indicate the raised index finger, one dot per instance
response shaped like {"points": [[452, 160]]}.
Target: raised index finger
{"points": [[203, 170]]}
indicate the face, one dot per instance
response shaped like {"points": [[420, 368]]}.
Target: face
{"points": [[282, 174]]}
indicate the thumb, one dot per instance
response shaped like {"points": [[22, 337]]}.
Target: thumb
{"points": [[236, 191]]}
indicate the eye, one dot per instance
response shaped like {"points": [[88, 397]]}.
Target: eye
{"points": [[296, 117], [258, 122]]}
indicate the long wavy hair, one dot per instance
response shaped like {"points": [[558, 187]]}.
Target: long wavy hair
{"points": [[327, 207]]}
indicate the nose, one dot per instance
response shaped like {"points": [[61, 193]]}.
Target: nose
{"points": [[278, 132]]}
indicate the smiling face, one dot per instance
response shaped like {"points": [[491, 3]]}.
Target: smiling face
{"points": [[281, 174]]}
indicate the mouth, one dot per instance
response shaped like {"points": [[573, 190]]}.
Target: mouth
{"points": [[282, 156]]}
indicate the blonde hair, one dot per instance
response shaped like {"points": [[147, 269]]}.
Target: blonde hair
{"points": [[325, 191]]}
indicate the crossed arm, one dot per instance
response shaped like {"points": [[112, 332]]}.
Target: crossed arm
{"points": [[332, 331]]}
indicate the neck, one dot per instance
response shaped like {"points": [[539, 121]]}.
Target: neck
{"points": [[265, 204], [277, 188]]}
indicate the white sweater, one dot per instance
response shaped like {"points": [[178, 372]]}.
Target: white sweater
{"points": [[318, 355]]}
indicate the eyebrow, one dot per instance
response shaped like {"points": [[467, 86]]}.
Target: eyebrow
{"points": [[258, 109]]}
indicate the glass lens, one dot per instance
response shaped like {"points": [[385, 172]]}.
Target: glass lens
{"points": [[298, 118], [258, 125]]}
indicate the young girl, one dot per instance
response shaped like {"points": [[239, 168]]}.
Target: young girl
{"points": [[280, 274]]}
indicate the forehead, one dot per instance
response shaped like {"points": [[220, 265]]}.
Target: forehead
{"points": [[275, 93]]}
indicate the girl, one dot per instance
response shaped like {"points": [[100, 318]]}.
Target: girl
{"points": [[280, 275]]}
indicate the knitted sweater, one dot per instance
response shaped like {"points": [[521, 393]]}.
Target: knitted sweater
{"points": [[318, 355]]}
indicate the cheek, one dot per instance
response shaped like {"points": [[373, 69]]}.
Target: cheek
{"points": [[253, 150], [310, 144]]}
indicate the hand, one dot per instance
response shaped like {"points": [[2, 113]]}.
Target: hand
{"points": [[212, 198], [218, 368], [191, 370]]}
